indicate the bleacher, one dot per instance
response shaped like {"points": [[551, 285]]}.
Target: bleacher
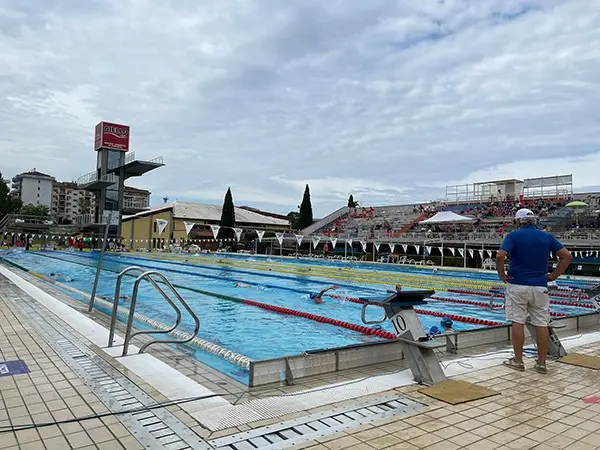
{"points": [[371, 222], [492, 204]]}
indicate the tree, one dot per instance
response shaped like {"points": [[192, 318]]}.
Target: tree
{"points": [[351, 202], [227, 217], [35, 210], [305, 218], [8, 203], [85, 205], [293, 218]]}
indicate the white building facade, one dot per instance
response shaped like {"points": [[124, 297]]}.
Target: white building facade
{"points": [[33, 188]]}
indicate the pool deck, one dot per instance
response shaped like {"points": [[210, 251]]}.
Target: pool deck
{"points": [[533, 410]]}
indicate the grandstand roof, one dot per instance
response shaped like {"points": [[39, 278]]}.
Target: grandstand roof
{"points": [[207, 212]]}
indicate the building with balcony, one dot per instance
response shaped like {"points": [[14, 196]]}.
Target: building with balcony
{"points": [[33, 188], [135, 200], [69, 201]]}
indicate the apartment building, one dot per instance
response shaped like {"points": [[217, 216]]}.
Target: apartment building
{"points": [[136, 198], [33, 188], [69, 201]]}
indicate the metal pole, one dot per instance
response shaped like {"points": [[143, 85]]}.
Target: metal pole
{"points": [[93, 297], [482, 253], [442, 261], [465, 256], [345, 248]]}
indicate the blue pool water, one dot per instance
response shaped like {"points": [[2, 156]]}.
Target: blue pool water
{"points": [[255, 332]]}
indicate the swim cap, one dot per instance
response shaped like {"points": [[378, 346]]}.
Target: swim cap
{"points": [[434, 330], [446, 322]]}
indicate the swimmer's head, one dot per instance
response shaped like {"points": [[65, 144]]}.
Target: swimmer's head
{"points": [[446, 322]]}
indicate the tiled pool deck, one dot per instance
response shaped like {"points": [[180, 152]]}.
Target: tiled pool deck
{"points": [[533, 410]]}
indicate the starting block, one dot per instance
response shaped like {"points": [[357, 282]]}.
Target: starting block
{"points": [[555, 348], [418, 348], [594, 296]]}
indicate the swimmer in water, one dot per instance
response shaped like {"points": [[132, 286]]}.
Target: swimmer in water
{"points": [[317, 297], [60, 278], [124, 297], [398, 288], [242, 285]]}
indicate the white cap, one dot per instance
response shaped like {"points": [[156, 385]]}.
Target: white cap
{"points": [[524, 213]]}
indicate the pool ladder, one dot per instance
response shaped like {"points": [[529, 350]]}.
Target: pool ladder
{"points": [[151, 276]]}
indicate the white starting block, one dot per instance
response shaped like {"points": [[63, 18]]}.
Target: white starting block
{"points": [[555, 348], [594, 296], [418, 348]]}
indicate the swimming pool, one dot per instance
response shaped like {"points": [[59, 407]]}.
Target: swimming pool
{"points": [[208, 283]]}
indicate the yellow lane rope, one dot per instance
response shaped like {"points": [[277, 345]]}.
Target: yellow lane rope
{"points": [[348, 274]]}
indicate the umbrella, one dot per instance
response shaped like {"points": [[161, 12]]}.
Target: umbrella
{"points": [[576, 205]]}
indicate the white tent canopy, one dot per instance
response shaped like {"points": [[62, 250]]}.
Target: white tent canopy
{"points": [[447, 217]]}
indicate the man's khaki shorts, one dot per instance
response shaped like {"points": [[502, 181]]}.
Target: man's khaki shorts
{"points": [[522, 301]]}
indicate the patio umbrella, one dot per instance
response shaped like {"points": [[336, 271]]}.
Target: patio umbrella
{"points": [[577, 205]]}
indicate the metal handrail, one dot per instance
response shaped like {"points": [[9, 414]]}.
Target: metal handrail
{"points": [[128, 334], [113, 319]]}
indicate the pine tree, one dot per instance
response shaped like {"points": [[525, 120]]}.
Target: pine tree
{"points": [[227, 217], [305, 218], [351, 203]]}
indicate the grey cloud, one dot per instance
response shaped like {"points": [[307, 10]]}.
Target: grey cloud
{"points": [[392, 94]]}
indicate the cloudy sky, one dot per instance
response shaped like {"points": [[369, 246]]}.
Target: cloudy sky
{"points": [[387, 100]]}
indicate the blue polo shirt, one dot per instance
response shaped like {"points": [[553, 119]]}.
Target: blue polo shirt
{"points": [[529, 251]]}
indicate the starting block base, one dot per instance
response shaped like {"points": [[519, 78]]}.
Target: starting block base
{"points": [[555, 348]]}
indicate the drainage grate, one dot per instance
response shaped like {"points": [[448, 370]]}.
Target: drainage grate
{"points": [[157, 428], [314, 426]]}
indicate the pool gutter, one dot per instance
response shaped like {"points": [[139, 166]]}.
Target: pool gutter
{"points": [[290, 368]]}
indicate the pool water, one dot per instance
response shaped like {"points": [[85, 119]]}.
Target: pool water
{"points": [[258, 333]]}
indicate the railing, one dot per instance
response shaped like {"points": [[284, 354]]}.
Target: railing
{"points": [[27, 219], [130, 157], [135, 204], [325, 221], [93, 176], [89, 219], [471, 237], [149, 276], [157, 160], [84, 219], [4, 222]]}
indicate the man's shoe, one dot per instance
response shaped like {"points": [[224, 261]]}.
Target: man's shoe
{"points": [[540, 368], [513, 364]]}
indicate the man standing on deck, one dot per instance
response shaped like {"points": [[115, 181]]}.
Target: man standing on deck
{"points": [[526, 293]]}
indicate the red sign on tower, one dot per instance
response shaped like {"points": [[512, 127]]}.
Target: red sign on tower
{"points": [[111, 136]]}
